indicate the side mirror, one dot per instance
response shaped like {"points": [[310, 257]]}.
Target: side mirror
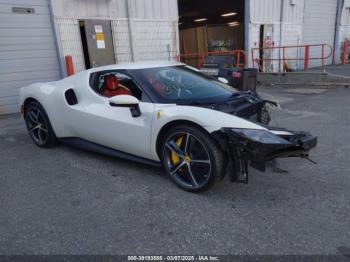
{"points": [[126, 101], [223, 80]]}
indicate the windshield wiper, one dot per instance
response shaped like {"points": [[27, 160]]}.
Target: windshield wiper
{"points": [[194, 103], [235, 94]]}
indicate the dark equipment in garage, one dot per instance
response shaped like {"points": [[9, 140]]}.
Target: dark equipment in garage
{"points": [[224, 66], [207, 26]]}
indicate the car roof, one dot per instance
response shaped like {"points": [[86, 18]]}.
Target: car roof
{"points": [[136, 65]]}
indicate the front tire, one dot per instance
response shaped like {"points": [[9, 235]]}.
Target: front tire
{"points": [[191, 158], [39, 126]]}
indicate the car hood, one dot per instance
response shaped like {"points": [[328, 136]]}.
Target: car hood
{"points": [[210, 119], [241, 104]]}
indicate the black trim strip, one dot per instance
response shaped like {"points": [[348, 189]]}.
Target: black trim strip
{"points": [[93, 147]]}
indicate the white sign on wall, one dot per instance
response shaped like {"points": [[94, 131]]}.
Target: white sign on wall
{"points": [[100, 37]]}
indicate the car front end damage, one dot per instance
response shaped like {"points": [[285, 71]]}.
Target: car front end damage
{"points": [[256, 147], [251, 147]]}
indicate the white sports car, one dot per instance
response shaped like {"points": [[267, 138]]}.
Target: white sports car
{"points": [[162, 113]]}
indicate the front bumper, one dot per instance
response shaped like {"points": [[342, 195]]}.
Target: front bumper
{"points": [[242, 152], [297, 145]]}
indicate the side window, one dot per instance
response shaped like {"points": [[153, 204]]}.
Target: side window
{"points": [[110, 84]]}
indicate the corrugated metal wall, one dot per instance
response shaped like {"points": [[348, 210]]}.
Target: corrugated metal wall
{"points": [[268, 12], [154, 28], [142, 9], [344, 29], [319, 26], [292, 28], [265, 11], [27, 50], [293, 14], [154, 9], [121, 40], [82, 9], [154, 39], [71, 41], [345, 18], [304, 22]]}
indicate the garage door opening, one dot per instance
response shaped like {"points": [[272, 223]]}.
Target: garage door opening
{"points": [[97, 42], [207, 26], [84, 44]]}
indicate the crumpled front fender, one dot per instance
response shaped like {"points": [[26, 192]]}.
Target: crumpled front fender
{"points": [[298, 144], [241, 151]]}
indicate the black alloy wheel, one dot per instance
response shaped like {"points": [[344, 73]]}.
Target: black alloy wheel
{"points": [[192, 158], [39, 126]]}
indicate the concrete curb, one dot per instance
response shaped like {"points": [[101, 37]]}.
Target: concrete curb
{"points": [[305, 79]]}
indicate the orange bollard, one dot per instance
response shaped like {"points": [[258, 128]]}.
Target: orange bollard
{"points": [[345, 52], [69, 65], [307, 57]]}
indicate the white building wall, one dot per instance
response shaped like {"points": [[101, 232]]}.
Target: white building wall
{"points": [[154, 9], [81, 9], [121, 40], [344, 28], [292, 29], [155, 39], [27, 50], [268, 12], [71, 41], [153, 23], [265, 11], [319, 27], [304, 22]]}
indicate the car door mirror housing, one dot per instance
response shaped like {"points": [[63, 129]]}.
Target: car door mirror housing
{"points": [[123, 101], [223, 80], [126, 101]]}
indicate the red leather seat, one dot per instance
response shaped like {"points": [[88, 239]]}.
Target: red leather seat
{"points": [[112, 88], [160, 88]]}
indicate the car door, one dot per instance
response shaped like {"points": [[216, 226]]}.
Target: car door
{"points": [[95, 120]]}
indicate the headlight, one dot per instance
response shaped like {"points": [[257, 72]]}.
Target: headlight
{"points": [[261, 136]]}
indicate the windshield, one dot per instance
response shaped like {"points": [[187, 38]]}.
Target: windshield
{"points": [[181, 84]]}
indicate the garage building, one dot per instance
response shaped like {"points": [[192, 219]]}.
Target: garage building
{"points": [[286, 22], [36, 35]]}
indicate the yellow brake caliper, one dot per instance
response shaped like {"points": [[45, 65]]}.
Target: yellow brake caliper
{"points": [[175, 157]]}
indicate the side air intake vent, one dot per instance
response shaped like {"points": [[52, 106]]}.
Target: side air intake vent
{"points": [[71, 97]]}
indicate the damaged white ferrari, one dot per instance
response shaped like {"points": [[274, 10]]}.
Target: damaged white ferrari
{"points": [[161, 113]]}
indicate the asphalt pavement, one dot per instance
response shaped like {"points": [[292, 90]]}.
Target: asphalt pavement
{"points": [[67, 201]]}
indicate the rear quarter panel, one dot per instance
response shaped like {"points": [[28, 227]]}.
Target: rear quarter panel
{"points": [[51, 96]]}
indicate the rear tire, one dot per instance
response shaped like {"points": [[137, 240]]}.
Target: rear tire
{"points": [[39, 126], [191, 158]]}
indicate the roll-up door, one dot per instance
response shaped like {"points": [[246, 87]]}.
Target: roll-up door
{"points": [[27, 49]]}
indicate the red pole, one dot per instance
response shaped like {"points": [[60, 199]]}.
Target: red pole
{"points": [[343, 60], [345, 52], [201, 59], [69, 65], [238, 59], [245, 59], [323, 63], [283, 62], [307, 57], [253, 57]]}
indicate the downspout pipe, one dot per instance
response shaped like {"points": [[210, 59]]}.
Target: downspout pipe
{"points": [[246, 30], [130, 31], [281, 32], [281, 21], [336, 46]]}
